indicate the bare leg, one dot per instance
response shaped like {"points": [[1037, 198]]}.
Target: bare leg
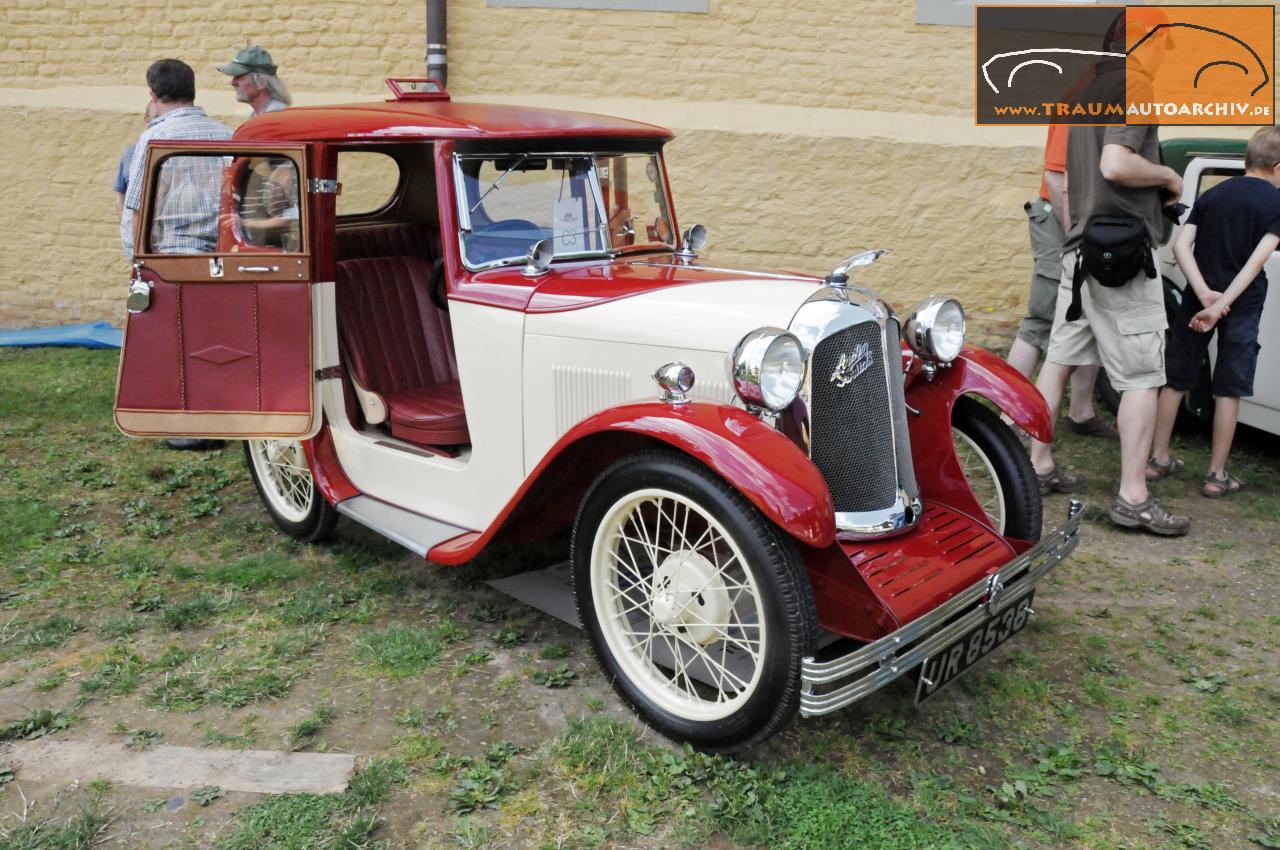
{"points": [[1023, 356], [1082, 381], [1051, 384], [1166, 414], [1225, 413], [1137, 421]]}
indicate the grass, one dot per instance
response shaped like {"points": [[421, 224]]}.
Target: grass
{"points": [[147, 589]]}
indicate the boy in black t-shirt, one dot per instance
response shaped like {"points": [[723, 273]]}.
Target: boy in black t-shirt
{"points": [[1234, 227]]}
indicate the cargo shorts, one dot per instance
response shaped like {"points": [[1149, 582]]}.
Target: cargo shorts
{"points": [[1121, 328], [1046, 249]]}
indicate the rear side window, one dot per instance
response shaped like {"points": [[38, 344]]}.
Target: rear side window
{"points": [[369, 182]]}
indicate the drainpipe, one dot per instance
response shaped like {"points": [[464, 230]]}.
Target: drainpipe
{"points": [[437, 46]]}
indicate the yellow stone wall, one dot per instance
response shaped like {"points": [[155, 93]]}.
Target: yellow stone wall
{"points": [[805, 130]]}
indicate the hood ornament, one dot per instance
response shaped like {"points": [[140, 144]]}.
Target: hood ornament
{"points": [[840, 274]]}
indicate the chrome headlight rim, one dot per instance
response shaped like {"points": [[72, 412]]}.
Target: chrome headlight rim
{"points": [[936, 329], [763, 389]]}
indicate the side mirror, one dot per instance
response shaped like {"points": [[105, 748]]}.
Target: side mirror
{"points": [[538, 260], [692, 240]]}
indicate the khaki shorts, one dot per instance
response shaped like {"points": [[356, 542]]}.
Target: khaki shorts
{"points": [[1122, 328]]}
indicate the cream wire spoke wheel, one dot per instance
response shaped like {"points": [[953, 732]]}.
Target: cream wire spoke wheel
{"points": [[982, 476], [285, 480], [677, 604]]}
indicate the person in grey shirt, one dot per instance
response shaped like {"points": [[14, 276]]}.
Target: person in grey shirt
{"points": [[253, 76]]}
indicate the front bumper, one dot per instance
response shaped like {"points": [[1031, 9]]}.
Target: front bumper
{"points": [[827, 686]]}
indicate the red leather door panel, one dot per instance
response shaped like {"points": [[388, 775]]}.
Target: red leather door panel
{"points": [[224, 347]]}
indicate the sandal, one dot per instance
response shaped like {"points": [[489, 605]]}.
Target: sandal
{"points": [[1224, 486], [1157, 471], [1060, 480], [1149, 516]]}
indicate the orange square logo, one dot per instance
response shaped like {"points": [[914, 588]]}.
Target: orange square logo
{"points": [[1205, 65], [1200, 64]]}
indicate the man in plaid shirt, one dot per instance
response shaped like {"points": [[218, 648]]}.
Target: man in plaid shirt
{"points": [[185, 220]]}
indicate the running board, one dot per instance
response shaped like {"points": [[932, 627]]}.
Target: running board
{"points": [[414, 532]]}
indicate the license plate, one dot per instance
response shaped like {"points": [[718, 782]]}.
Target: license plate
{"points": [[946, 666]]}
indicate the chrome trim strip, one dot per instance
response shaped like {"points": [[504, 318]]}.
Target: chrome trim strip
{"points": [[931, 632]]}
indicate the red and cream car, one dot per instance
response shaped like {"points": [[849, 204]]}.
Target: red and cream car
{"points": [[459, 323]]}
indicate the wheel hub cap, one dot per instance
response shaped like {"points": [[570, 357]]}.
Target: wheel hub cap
{"points": [[689, 597]]}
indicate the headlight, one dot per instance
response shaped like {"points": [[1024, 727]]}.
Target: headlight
{"points": [[768, 368], [935, 329]]}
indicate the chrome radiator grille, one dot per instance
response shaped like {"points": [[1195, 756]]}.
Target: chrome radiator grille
{"points": [[853, 427]]}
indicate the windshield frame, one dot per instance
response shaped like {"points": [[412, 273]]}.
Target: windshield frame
{"points": [[464, 219]]}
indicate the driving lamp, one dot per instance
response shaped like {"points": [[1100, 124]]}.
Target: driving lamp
{"points": [[935, 329], [675, 380], [768, 368]]}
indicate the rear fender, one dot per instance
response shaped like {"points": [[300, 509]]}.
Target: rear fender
{"points": [[974, 372], [757, 460]]}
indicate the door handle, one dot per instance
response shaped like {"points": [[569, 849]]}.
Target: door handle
{"points": [[139, 299], [258, 269]]}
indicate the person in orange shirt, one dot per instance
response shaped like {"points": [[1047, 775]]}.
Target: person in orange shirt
{"points": [[1047, 220]]}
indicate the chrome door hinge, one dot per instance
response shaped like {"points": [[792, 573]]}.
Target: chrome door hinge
{"points": [[322, 186], [329, 373]]}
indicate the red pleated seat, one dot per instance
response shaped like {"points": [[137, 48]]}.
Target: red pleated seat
{"points": [[399, 345]]}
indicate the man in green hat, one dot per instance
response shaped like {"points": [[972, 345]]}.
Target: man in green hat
{"points": [[253, 76]]}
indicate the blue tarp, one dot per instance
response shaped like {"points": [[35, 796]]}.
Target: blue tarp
{"points": [[96, 335]]}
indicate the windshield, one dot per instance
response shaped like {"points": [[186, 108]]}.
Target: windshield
{"points": [[586, 204]]}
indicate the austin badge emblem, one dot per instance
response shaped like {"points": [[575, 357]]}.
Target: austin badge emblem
{"points": [[852, 364]]}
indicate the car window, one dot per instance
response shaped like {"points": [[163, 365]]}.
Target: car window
{"points": [[635, 200], [186, 205], [267, 214], [1211, 177], [207, 203], [513, 202], [369, 181]]}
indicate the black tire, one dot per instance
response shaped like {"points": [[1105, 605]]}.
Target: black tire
{"points": [[308, 518], [760, 696], [1000, 454], [1107, 395]]}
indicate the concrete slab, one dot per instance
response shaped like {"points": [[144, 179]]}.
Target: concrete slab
{"points": [[257, 771]]}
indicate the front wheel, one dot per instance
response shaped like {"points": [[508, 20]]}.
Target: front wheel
{"points": [[280, 472], [698, 608], [998, 470]]}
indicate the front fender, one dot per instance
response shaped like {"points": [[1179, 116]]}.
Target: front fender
{"points": [[975, 372], [979, 372], [759, 461]]}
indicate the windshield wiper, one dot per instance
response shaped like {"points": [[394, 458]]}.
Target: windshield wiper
{"points": [[521, 158]]}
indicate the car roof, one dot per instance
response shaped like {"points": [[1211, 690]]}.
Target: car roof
{"points": [[435, 119]]}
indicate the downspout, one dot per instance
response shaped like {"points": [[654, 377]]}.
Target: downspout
{"points": [[437, 42]]}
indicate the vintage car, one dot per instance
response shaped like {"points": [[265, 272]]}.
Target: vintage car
{"points": [[459, 323]]}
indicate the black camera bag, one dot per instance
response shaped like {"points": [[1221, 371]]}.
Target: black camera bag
{"points": [[1113, 249]]}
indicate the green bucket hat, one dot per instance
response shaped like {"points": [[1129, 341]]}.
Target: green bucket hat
{"points": [[251, 60]]}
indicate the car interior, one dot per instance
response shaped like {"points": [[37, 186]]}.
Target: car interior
{"points": [[401, 375]]}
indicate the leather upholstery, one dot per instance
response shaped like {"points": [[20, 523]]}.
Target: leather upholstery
{"points": [[400, 239], [400, 345]]}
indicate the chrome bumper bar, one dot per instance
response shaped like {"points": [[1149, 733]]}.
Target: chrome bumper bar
{"points": [[879, 663]]}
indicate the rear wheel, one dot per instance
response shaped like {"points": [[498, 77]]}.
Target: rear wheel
{"points": [[998, 470], [698, 608], [280, 472]]}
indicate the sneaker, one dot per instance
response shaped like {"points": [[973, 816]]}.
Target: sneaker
{"points": [[1060, 480], [1149, 516], [190, 444], [1092, 427]]}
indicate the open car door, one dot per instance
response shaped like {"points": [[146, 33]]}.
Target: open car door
{"points": [[218, 339]]}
